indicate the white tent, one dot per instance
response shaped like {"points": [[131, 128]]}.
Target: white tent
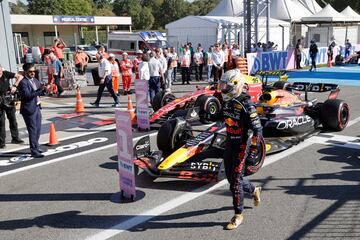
{"points": [[350, 13], [210, 29], [311, 5], [229, 8], [327, 14], [288, 10]]}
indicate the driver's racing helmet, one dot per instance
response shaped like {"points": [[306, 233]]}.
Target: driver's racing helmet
{"points": [[231, 84]]}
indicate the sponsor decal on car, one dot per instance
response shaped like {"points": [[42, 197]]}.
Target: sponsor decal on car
{"points": [[293, 122], [206, 166]]}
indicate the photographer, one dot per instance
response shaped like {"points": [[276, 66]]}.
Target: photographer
{"points": [[7, 106]]}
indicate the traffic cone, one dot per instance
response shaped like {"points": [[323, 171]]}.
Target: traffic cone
{"points": [[79, 102], [52, 137], [131, 111]]}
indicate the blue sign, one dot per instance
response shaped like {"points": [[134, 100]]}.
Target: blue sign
{"points": [[268, 61], [73, 19]]}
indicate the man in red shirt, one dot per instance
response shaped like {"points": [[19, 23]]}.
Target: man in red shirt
{"points": [[126, 72]]}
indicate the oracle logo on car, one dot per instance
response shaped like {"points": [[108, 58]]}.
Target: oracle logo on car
{"points": [[293, 122]]}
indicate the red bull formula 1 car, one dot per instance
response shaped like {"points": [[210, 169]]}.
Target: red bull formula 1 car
{"points": [[287, 119], [207, 99]]}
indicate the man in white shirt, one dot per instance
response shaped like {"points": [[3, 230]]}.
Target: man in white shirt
{"points": [[199, 63], [155, 68], [235, 53], [144, 71], [104, 69], [164, 66], [174, 63], [218, 58]]}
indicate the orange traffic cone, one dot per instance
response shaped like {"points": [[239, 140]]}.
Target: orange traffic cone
{"points": [[79, 102], [131, 111], [52, 137]]}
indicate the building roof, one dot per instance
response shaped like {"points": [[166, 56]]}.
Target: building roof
{"points": [[327, 14], [18, 19]]}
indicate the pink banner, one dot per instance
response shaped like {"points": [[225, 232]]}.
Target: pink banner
{"points": [[142, 104], [125, 153]]}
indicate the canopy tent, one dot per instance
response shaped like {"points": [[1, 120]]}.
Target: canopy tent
{"points": [[227, 8], [288, 10], [311, 5], [210, 29], [327, 15], [350, 13]]}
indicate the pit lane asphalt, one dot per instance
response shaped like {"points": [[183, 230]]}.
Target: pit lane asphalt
{"points": [[313, 193]]}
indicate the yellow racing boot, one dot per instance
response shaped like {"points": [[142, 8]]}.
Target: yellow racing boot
{"points": [[256, 196], [235, 222]]}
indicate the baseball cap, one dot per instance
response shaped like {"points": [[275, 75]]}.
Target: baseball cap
{"points": [[124, 53], [112, 55], [139, 52]]}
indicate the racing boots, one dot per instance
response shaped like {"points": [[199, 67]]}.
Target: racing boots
{"points": [[235, 221], [256, 196]]}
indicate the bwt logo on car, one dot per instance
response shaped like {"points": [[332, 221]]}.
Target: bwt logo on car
{"points": [[293, 122]]}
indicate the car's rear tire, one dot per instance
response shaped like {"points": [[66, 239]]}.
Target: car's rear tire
{"points": [[209, 107], [334, 114], [161, 99], [256, 164], [172, 135]]}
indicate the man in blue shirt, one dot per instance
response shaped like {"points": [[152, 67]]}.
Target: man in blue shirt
{"points": [[347, 48], [57, 72]]}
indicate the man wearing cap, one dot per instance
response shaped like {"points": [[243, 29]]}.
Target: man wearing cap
{"points": [[126, 71], [137, 61]]}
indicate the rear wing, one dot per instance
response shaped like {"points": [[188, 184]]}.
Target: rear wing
{"points": [[317, 88], [264, 75]]}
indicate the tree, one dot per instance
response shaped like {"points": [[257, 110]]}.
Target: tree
{"points": [[18, 8], [77, 7], [100, 4], [133, 9], [106, 11], [45, 7], [339, 5], [146, 21], [170, 10]]}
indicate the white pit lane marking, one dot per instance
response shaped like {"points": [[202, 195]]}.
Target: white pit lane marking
{"points": [[152, 213]]}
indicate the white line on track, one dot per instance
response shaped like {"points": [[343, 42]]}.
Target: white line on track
{"points": [[63, 139], [65, 157], [152, 213]]}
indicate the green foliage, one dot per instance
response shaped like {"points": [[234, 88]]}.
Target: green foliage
{"points": [[46, 7], [77, 7], [340, 5]]}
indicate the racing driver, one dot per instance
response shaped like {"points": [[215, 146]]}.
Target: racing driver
{"points": [[240, 116]]}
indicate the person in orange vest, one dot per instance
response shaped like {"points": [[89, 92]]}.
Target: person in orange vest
{"points": [[81, 60], [126, 71], [137, 61], [115, 73], [58, 46]]}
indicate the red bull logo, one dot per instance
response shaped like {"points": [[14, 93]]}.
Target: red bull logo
{"points": [[231, 123]]}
